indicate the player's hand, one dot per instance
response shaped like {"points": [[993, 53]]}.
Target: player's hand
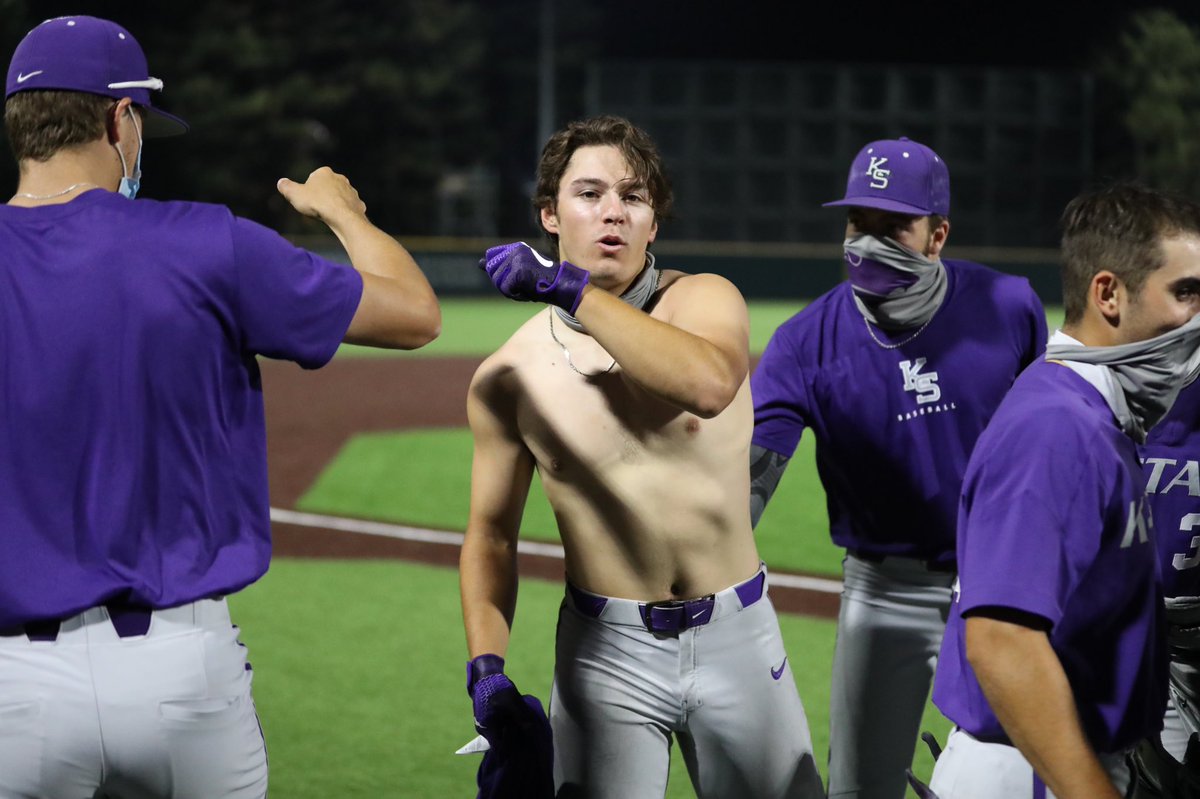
{"points": [[520, 762], [521, 274], [325, 195], [501, 713]]}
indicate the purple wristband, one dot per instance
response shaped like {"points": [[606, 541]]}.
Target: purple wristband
{"points": [[480, 667], [566, 290]]}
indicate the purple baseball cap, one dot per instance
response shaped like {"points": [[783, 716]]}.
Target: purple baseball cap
{"points": [[92, 55], [898, 175]]}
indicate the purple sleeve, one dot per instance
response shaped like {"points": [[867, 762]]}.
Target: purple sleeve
{"points": [[780, 394], [1029, 517], [292, 304]]}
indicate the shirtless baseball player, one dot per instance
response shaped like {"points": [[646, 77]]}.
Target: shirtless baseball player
{"points": [[895, 372], [1054, 662], [630, 397], [133, 477]]}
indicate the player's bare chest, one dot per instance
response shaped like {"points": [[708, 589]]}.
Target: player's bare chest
{"points": [[569, 419]]}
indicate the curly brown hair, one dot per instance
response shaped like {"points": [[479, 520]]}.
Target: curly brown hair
{"points": [[636, 146]]}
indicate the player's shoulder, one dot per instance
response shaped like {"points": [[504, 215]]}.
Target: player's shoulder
{"points": [[693, 286], [514, 356], [688, 298], [1049, 401], [1051, 423]]}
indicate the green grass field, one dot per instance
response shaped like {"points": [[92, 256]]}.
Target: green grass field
{"points": [[360, 665]]}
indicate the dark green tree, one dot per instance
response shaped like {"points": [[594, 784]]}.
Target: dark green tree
{"points": [[390, 94], [14, 19], [385, 93], [1155, 72]]}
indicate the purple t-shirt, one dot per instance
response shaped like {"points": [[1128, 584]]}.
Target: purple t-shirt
{"points": [[1171, 460], [132, 443], [894, 426], [1054, 522]]}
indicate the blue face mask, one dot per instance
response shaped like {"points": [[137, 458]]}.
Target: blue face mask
{"points": [[131, 183]]}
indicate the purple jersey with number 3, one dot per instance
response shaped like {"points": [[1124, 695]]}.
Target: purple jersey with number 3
{"points": [[132, 442], [894, 425], [1171, 460], [1053, 522]]}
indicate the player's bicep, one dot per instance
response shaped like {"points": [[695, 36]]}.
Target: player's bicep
{"points": [[782, 402], [501, 468], [1028, 497], [711, 308]]}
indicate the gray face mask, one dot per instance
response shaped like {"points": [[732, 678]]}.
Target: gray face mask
{"points": [[638, 294], [1150, 374], [894, 287]]}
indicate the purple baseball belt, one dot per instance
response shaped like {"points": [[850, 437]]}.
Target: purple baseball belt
{"points": [[128, 620], [673, 615]]}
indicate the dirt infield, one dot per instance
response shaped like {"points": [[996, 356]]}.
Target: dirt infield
{"points": [[310, 415]]}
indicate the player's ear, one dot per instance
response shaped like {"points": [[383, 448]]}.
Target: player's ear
{"points": [[112, 119], [1106, 293], [653, 232], [937, 238], [550, 219]]}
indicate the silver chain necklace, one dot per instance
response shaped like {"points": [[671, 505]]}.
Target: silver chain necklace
{"points": [[900, 344], [567, 353], [67, 190]]}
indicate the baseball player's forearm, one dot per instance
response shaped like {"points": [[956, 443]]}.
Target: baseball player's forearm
{"points": [[766, 469], [398, 308], [501, 472], [697, 370], [488, 585], [1027, 688]]}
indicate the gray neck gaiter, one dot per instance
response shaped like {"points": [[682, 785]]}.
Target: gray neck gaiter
{"points": [[638, 294], [908, 301], [1150, 374]]}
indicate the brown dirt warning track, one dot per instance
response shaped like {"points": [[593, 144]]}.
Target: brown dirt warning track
{"points": [[310, 415]]}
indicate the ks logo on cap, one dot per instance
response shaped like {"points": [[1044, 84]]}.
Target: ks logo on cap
{"points": [[878, 175]]}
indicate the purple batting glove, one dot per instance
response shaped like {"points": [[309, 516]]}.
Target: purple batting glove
{"points": [[492, 693], [521, 274], [520, 762]]}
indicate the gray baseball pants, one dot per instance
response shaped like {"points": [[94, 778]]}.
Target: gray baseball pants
{"points": [[167, 714], [890, 627], [621, 693]]}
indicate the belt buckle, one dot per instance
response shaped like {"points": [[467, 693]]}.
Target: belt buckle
{"points": [[677, 615]]}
